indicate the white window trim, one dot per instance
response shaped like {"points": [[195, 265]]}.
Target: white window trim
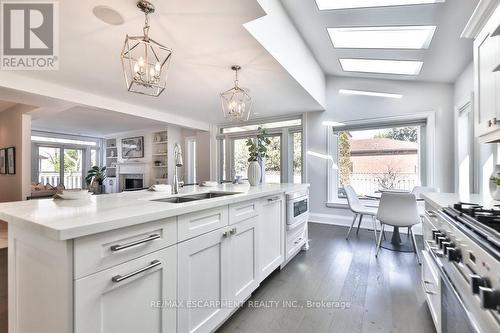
{"points": [[474, 145], [86, 150], [284, 132], [428, 154]]}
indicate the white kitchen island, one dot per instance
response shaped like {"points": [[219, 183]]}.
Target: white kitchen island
{"points": [[126, 263]]}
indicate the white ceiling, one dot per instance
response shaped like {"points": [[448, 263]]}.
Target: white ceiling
{"points": [[81, 120], [447, 56], [207, 38]]}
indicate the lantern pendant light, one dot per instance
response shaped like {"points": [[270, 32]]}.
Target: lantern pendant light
{"points": [[236, 102], [145, 62]]}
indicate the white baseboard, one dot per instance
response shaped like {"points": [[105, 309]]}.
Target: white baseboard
{"points": [[346, 221]]}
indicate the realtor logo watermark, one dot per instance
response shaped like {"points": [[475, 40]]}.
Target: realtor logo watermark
{"points": [[30, 35]]}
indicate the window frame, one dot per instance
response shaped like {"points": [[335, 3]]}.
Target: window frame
{"points": [[426, 149], [86, 158], [286, 146]]}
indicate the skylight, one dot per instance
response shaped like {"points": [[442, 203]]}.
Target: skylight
{"points": [[369, 93], [399, 67], [347, 4], [400, 37]]}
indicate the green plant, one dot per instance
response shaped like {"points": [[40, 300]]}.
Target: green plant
{"points": [[97, 174], [497, 181], [257, 148]]}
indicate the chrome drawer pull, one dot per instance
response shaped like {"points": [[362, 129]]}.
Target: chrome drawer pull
{"points": [[273, 199], [233, 231], [120, 247], [120, 278], [430, 213], [428, 292]]}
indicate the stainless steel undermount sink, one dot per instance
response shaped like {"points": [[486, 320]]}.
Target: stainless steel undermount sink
{"points": [[195, 197]]}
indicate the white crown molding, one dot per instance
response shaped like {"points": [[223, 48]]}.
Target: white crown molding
{"points": [[479, 18]]}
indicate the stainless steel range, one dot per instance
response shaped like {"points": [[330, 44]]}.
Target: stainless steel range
{"points": [[461, 268]]}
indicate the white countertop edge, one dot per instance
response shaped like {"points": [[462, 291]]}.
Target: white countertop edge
{"points": [[71, 232], [441, 200]]}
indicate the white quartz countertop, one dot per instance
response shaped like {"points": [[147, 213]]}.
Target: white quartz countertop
{"points": [[68, 219], [442, 200]]}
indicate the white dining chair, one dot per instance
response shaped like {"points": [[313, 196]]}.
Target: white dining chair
{"points": [[398, 210], [359, 210], [418, 190]]}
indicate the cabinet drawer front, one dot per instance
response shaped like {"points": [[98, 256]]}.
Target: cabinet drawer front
{"points": [[431, 283], [128, 298], [243, 211], [197, 223], [101, 251], [295, 240]]}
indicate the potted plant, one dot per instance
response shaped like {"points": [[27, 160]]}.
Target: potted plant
{"points": [[258, 151], [96, 175]]}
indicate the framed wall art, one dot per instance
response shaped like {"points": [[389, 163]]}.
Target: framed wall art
{"points": [[133, 147], [11, 161], [3, 161]]}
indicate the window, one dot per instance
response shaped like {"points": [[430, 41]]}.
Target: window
{"points": [[297, 157], [382, 154], [240, 158], [272, 168], [280, 166], [64, 159], [190, 160]]}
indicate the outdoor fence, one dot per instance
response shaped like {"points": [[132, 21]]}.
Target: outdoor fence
{"points": [[71, 180]]}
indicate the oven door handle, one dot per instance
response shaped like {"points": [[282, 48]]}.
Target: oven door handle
{"points": [[451, 287]]}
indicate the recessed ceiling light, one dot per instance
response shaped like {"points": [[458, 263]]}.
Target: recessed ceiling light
{"points": [[347, 4], [368, 93], [108, 15], [399, 67], [401, 37]]}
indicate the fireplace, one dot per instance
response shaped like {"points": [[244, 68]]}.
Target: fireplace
{"points": [[133, 184]]}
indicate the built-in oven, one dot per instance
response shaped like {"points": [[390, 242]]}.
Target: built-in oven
{"points": [[297, 209]]}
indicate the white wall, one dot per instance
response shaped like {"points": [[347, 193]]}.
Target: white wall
{"points": [[486, 156], [15, 131], [418, 97]]}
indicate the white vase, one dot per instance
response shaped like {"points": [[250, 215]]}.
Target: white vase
{"points": [[254, 173]]}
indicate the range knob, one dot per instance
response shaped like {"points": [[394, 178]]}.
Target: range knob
{"points": [[490, 298], [454, 254], [446, 245], [440, 241], [436, 234], [476, 282]]}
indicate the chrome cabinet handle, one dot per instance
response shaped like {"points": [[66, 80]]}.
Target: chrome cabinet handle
{"points": [[273, 199], [226, 234], [429, 292], [119, 247], [430, 213], [120, 278], [233, 231]]}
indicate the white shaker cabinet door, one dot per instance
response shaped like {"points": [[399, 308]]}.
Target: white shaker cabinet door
{"points": [[271, 225], [244, 259], [128, 298], [204, 281]]}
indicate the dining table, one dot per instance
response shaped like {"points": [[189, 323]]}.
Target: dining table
{"points": [[396, 243]]}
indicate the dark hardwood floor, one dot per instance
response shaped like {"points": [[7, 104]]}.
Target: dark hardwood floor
{"points": [[366, 294]]}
